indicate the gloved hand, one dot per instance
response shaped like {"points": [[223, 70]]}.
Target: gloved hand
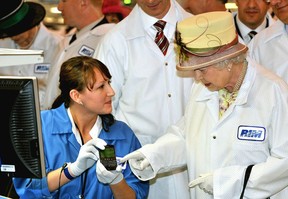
{"points": [[205, 182], [137, 160], [108, 177], [87, 156]]}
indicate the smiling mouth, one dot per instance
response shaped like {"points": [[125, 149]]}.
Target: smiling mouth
{"points": [[252, 12], [153, 6], [280, 7]]}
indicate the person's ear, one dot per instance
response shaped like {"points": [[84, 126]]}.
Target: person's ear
{"points": [[236, 2], [83, 2], [75, 96]]}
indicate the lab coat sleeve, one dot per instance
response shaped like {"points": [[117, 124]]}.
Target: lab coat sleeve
{"points": [[166, 154], [31, 188], [266, 178], [108, 53]]}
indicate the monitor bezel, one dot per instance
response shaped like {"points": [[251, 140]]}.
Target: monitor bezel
{"points": [[39, 129]]}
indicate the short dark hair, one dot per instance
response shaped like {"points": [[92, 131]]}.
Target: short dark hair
{"points": [[224, 1]]}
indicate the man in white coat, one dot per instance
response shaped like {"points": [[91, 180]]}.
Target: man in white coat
{"points": [[90, 26], [149, 94], [270, 47], [251, 18], [20, 29], [235, 122]]}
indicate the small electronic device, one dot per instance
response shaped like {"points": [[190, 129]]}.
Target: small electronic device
{"points": [[108, 157]]}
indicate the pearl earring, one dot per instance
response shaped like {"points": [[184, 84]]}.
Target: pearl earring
{"points": [[229, 67]]}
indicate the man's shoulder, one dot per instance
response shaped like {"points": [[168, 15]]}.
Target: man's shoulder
{"points": [[103, 29], [276, 30], [47, 36]]}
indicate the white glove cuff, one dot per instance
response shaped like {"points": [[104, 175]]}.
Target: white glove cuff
{"points": [[75, 171], [67, 173], [117, 179]]}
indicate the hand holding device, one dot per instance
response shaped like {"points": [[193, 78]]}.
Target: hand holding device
{"points": [[205, 182], [137, 160], [108, 177], [108, 157], [87, 156]]}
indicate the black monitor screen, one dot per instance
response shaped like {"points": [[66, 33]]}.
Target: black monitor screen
{"points": [[21, 147]]}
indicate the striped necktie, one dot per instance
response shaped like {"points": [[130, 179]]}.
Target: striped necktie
{"points": [[160, 39]]}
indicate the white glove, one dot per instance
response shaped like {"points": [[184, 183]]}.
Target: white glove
{"points": [[108, 177], [136, 160], [205, 182], [87, 156]]}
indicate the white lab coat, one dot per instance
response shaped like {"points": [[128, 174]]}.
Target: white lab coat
{"points": [[214, 145], [242, 37], [46, 41], [83, 46], [149, 94], [270, 48]]}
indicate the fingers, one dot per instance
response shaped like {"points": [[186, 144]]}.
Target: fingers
{"points": [[90, 149], [144, 164], [137, 160], [119, 168], [108, 177], [196, 182], [100, 167], [202, 178], [97, 143], [91, 152], [134, 155], [139, 164], [100, 143]]}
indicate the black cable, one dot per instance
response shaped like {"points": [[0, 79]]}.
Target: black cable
{"points": [[86, 172], [59, 184], [84, 185]]}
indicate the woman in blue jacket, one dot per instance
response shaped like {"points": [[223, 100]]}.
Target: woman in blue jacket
{"points": [[79, 125]]}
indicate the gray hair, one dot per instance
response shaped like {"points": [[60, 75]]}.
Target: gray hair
{"points": [[234, 60]]}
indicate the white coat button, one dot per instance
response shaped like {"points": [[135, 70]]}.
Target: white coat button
{"points": [[169, 95], [214, 137]]}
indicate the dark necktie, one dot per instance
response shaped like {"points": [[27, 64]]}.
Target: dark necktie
{"points": [[160, 38], [73, 38], [252, 34]]}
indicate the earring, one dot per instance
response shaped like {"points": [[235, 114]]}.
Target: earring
{"points": [[229, 67]]}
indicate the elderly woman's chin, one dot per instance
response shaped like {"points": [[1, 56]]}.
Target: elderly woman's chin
{"points": [[211, 87]]}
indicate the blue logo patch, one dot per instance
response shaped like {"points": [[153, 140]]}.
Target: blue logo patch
{"points": [[124, 164], [251, 133], [86, 51], [41, 68]]}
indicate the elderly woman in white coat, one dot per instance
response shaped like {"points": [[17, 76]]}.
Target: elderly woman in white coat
{"points": [[235, 124]]}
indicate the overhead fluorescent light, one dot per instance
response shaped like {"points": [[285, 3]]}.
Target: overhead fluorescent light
{"points": [[231, 6], [54, 10]]}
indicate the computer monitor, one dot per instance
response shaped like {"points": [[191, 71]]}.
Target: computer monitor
{"points": [[21, 146]]}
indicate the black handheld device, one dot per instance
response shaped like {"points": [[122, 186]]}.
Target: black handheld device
{"points": [[108, 157]]}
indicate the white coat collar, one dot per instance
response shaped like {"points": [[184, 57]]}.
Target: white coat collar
{"points": [[135, 21], [277, 29]]}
